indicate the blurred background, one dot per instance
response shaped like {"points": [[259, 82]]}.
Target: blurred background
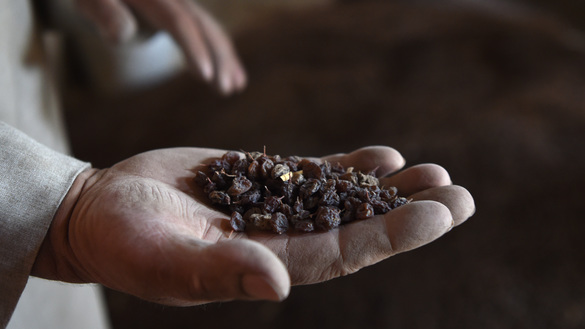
{"points": [[492, 91]]}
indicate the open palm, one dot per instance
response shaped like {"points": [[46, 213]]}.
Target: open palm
{"points": [[143, 228]]}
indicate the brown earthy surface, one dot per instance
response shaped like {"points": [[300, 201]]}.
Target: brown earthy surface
{"points": [[497, 96]]}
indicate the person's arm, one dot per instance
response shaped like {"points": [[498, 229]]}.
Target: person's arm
{"points": [[33, 181]]}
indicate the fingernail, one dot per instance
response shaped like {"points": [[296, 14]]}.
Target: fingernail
{"points": [[206, 71], [225, 84], [257, 287]]}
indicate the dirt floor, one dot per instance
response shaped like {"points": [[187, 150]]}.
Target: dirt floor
{"points": [[495, 94]]}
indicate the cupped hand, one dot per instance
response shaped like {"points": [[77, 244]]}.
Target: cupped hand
{"points": [[207, 48], [143, 227]]}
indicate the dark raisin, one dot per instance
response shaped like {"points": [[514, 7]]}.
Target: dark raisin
{"points": [[343, 185], [266, 167], [239, 185], [311, 202], [231, 157], [237, 222], [279, 171], [310, 187], [329, 198], [380, 207], [350, 176], [279, 223], [209, 187], [221, 180], [254, 170], [250, 197], [388, 194], [304, 226], [218, 165], [240, 167], [365, 210], [327, 218], [220, 198], [312, 170], [272, 204], [399, 201], [201, 178]]}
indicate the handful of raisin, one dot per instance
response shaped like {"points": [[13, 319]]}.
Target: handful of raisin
{"points": [[278, 194]]}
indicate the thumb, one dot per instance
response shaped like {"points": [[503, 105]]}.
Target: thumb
{"points": [[234, 269]]}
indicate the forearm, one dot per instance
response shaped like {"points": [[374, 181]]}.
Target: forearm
{"points": [[33, 181]]}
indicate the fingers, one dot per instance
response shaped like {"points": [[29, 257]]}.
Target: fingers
{"points": [[386, 159], [418, 178], [432, 182], [112, 18], [176, 18], [317, 257], [230, 74], [194, 273], [207, 48], [456, 198]]}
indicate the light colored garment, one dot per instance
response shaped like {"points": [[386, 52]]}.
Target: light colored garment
{"points": [[33, 180]]}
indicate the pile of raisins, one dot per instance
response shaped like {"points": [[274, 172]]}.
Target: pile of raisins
{"points": [[279, 194]]}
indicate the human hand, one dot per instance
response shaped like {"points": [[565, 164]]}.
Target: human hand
{"points": [[207, 48], [143, 228]]}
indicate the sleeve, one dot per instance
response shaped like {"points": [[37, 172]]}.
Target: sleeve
{"points": [[33, 181]]}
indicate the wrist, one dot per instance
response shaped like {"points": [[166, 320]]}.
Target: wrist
{"points": [[55, 259]]}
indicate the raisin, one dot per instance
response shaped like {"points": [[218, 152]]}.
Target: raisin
{"points": [[279, 170], [327, 218], [365, 210], [310, 187], [237, 222], [249, 197], [399, 201], [380, 206], [218, 165], [219, 197], [209, 187], [266, 167], [343, 185], [279, 223], [329, 198], [304, 226], [240, 167], [239, 185], [254, 170], [231, 157], [312, 170], [367, 180], [201, 178], [272, 204]]}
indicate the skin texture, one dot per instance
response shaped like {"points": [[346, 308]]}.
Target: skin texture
{"points": [[207, 48], [143, 228]]}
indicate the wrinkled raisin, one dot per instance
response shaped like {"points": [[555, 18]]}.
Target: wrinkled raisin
{"points": [[239, 185], [365, 210], [327, 218], [237, 222], [219, 197]]}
